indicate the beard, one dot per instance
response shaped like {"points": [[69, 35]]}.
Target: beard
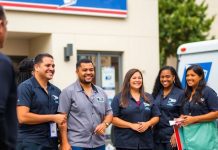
{"points": [[85, 82]]}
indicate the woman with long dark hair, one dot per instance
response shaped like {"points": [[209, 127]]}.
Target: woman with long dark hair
{"points": [[200, 110], [168, 95], [134, 114]]}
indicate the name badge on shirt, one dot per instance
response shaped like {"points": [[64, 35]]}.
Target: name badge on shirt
{"points": [[53, 130], [100, 99]]}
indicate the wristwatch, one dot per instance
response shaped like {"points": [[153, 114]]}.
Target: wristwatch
{"points": [[106, 124]]}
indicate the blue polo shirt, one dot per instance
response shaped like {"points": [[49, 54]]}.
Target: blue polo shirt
{"points": [[209, 102], [32, 95], [170, 107], [134, 113]]}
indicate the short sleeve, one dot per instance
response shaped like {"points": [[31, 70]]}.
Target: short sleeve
{"points": [[155, 110], [65, 101], [25, 95], [116, 106], [211, 99], [180, 99], [107, 105]]}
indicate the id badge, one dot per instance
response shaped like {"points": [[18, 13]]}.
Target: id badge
{"points": [[53, 130]]}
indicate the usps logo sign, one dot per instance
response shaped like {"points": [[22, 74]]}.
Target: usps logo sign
{"points": [[206, 67], [107, 8]]}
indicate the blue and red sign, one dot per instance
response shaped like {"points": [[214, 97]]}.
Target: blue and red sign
{"points": [[206, 67], [110, 8]]}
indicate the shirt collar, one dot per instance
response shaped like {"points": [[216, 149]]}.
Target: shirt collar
{"points": [[36, 84], [79, 88]]}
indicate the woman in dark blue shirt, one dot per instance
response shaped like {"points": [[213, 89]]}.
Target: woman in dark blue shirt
{"points": [[199, 112], [134, 114], [168, 95], [201, 102]]}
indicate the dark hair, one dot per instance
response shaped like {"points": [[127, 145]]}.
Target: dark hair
{"points": [[25, 69], [39, 57], [158, 86], [83, 61], [2, 13], [125, 91], [201, 85]]}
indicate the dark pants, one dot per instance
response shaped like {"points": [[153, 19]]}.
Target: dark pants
{"points": [[83, 148], [163, 146], [32, 146]]}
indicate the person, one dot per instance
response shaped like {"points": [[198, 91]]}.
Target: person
{"points": [[25, 70], [88, 111], [200, 108], [8, 117], [37, 107], [134, 114], [168, 96]]}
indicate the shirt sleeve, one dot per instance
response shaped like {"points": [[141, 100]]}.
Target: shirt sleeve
{"points": [[211, 99], [65, 101], [179, 104], [155, 111], [116, 106], [6, 80], [25, 95], [107, 105]]}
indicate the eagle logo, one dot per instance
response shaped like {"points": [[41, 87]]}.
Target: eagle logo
{"points": [[68, 3]]}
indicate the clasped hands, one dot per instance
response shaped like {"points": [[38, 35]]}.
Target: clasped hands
{"points": [[140, 126]]}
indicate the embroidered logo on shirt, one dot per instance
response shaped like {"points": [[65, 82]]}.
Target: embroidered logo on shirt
{"points": [[202, 99], [100, 99], [55, 98], [171, 102], [146, 105]]}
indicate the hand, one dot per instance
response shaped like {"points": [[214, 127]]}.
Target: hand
{"points": [[63, 126], [100, 129], [143, 126], [65, 146], [179, 121], [135, 126], [173, 141], [60, 118], [188, 120]]}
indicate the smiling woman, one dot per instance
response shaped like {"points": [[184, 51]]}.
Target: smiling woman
{"points": [[134, 114], [168, 95], [201, 107]]}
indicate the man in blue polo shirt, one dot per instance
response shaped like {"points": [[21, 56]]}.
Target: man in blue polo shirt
{"points": [[88, 110], [37, 107], [8, 117]]}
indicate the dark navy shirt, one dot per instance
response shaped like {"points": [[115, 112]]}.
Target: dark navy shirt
{"points": [[134, 113], [32, 95], [8, 116], [170, 107], [209, 102]]}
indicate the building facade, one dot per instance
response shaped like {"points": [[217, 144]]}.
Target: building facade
{"points": [[115, 40]]}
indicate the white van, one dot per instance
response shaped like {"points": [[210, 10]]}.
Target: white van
{"points": [[203, 53]]}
